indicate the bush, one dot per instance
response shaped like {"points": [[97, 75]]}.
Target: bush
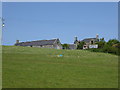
{"points": [[80, 45], [65, 46], [112, 42], [109, 49], [106, 49], [101, 43]]}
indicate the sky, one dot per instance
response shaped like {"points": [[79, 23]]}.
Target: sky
{"points": [[28, 21]]}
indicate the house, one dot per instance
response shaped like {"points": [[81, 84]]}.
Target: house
{"points": [[91, 42], [54, 43]]}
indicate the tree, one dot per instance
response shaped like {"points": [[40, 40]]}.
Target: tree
{"points": [[65, 46], [101, 43], [112, 42], [80, 45], [102, 39]]}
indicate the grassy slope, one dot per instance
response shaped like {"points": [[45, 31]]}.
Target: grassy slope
{"points": [[25, 67]]}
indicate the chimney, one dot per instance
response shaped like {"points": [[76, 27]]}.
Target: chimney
{"points": [[97, 36], [75, 38], [17, 41]]}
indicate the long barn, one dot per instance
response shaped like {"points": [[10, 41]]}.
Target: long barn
{"points": [[54, 43]]}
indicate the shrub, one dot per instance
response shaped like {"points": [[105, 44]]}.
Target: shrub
{"points": [[112, 42], [106, 49], [65, 46], [80, 45]]}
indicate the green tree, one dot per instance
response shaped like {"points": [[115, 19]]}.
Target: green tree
{"points": [[80, 45], [65, 46], [101, 43], [111, 42]]}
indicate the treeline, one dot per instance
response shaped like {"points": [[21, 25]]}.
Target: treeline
{"points": [[112, 46]]}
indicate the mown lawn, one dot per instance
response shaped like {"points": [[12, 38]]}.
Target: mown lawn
{"points": [[26, 67]]}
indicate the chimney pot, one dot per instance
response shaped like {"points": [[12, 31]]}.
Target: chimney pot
{"points": [[17, 41]]}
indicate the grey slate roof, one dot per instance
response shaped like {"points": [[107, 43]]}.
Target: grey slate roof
{"points": [[87, 40], [37, 43]]}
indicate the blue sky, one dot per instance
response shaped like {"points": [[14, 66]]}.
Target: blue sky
{"points": [[27, 21]]}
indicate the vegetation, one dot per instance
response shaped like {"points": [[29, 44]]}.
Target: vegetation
{"points": [[80, 45], [101, 43], [112, 46], [65, 46], [28, 67]]}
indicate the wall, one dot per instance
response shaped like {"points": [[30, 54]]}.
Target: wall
{"points": [[44, 46]]}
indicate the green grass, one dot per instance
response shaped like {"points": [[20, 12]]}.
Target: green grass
{"points": [[26, 67]]}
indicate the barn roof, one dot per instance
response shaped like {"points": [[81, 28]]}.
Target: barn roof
{"points": [[37, 43]]}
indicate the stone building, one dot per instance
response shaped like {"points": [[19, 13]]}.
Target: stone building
{"points": [[54, 43], [91, 42]]}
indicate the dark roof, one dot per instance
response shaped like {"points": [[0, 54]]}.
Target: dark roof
{"points": [[37, 43], [87, 40], [72, 46]]}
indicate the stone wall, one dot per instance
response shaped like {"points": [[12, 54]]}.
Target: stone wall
{"points": [[44, 46]]}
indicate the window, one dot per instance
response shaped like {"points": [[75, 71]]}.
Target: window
{"points": [[91, 42]]}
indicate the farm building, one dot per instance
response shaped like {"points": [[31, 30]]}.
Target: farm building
{"points": [[54, 43], [89, 42]]}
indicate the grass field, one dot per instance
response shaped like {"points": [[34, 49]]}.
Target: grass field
{"points": [[26, 67]]}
